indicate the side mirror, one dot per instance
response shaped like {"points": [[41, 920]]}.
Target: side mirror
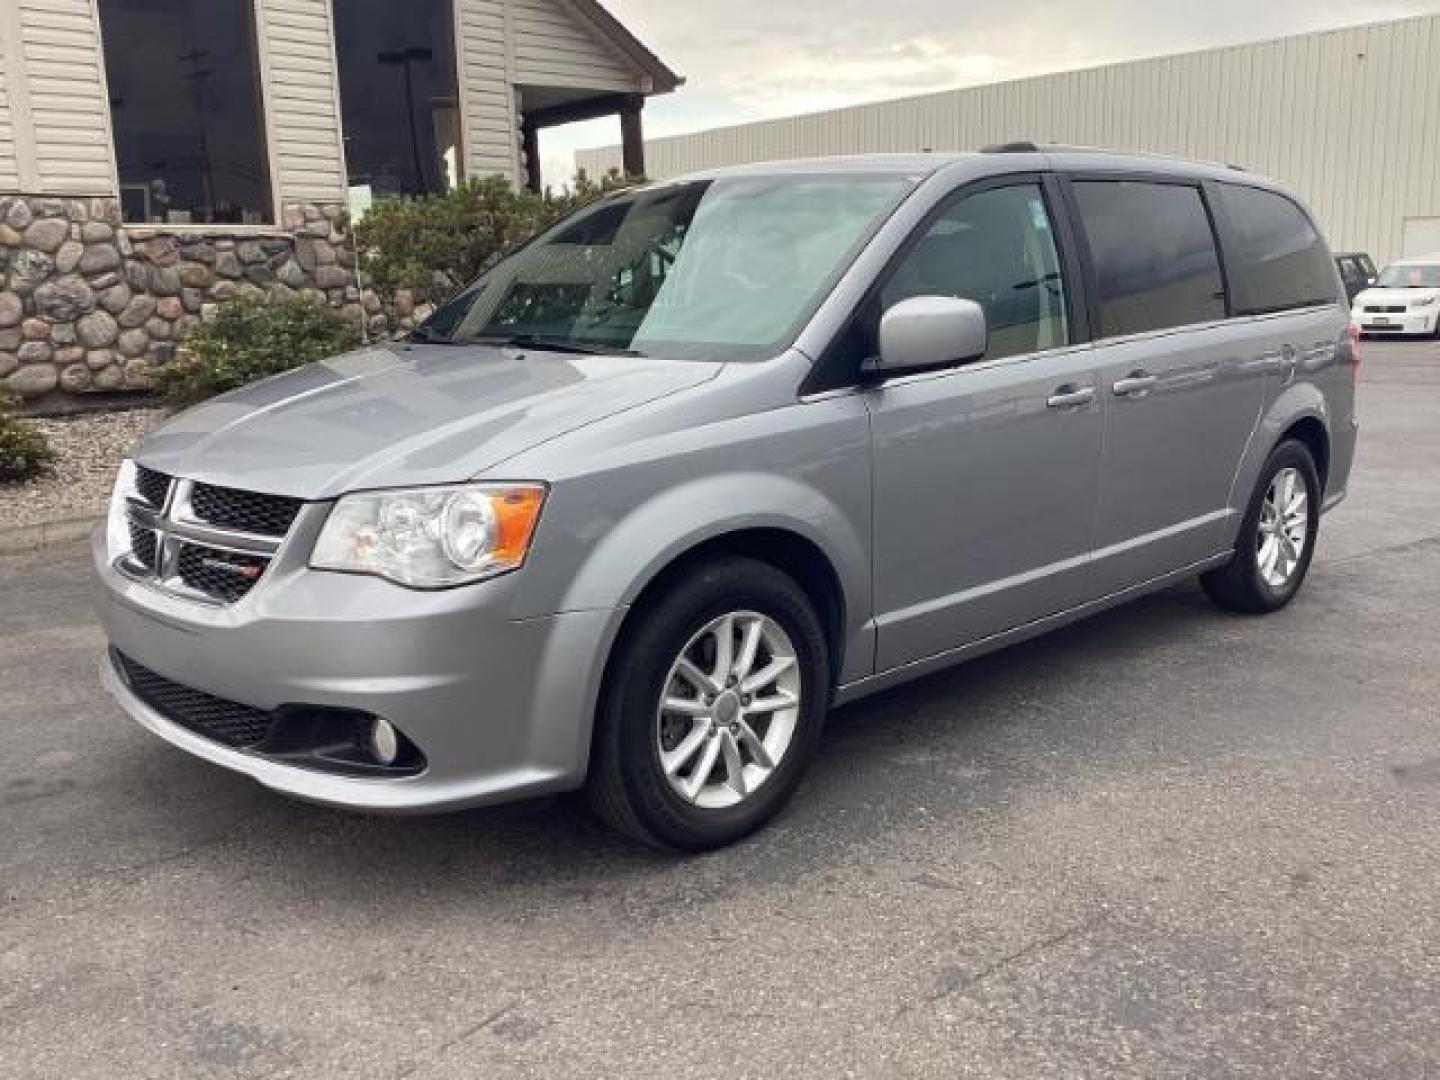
{"points": [[928, 332]]}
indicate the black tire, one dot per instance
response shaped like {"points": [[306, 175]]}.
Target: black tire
{"points": [[627, 786], [1239, 585]]}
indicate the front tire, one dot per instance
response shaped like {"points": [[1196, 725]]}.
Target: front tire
{"points": [[712, 708], [1277, 538]]}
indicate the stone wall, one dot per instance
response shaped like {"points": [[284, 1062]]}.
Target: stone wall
{"points": [[88, 305]]}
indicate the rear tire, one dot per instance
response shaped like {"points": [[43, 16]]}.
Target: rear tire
{"points": [[726, 751], [1277, 537]]}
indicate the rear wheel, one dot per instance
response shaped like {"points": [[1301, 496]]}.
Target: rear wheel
{"points": [[712, 708], [1277, 537]]}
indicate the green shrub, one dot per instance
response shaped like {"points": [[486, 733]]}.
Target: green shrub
{"points": [[24, 450], [251, 339], [435, 244]]}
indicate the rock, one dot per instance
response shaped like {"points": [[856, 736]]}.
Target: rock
{"points": [[96, 359], [34, 352], [12, 309], [137, 275], [97, 232], [75, 378], [371, 301], [209, 312], [98, 329], [292, 275], [162, 251], [28, 269], [313, 253], [77, 210], [191, 299], [8, 363], [331, 277], [170, 308], [104, 281], [281, 293], [106, 210], [249, 292], [201, 251], [137, 311], [137, 372], [275, 247], [19, 216], [404, 303], [292, 218], [69, 255], [10, 339], [65, 299], [99, 258], [158, 329], [35, 329], [71, 354], [184, 325], [314, 296], [47, 234], [124, 243], [134, 342], [49, 208], [165, 281], [227, 264], [196, 275], [116, 298], [223, 290], [250, 252], [34, 380], [63, 334], [259, 274], [9, 237], [109, 378]]}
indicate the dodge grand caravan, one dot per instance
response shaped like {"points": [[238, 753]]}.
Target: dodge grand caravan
{"points": [[636, 507]]}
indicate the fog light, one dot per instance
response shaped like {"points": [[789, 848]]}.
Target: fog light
{"points": [[384, 743]]}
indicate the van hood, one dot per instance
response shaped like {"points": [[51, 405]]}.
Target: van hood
{"points": [[403, 415]]}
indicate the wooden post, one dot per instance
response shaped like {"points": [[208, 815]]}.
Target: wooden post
{"points": [[632, 137]]}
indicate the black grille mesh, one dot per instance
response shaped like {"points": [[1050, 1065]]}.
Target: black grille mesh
{"points": [[248, 511], [215, 718], [143, 546], [205, 570], [152, 486]]}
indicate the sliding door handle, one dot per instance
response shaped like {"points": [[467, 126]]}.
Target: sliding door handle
{"points": [[1069, 396], [1136, 384]]}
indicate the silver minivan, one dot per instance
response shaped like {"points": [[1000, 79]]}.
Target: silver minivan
{"points": [[636, 507]]}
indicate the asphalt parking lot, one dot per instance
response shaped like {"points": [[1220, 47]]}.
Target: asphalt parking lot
{"points": [[1167, 842]]}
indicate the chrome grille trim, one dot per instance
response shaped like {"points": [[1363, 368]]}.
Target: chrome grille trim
{"points": [[176, 529]]}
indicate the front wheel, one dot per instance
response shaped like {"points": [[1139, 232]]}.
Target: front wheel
{"points": [[1277, 537], [712, 707]]}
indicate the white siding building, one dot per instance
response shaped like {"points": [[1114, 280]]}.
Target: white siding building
{"points": [[157, 156], [1349, 118]]}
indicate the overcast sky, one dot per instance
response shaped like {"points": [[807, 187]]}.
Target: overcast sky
{"points": [[753, 59]]}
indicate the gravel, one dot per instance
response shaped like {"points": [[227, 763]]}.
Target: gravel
{"points": [[87, 451]]}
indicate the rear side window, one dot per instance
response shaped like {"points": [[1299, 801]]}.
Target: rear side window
{"points": [[1156, 264], [1280, 261]]}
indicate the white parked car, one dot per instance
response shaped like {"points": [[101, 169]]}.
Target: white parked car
{"points": [[1405, 299]]}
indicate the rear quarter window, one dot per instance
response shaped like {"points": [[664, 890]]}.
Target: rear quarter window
{"points": [[1278, 260]]}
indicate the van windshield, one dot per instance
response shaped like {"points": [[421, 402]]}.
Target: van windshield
{"points": [[1401, 276], [722, 269]]}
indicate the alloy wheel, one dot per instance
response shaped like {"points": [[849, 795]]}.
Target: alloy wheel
{"points": [[1284, 528]]}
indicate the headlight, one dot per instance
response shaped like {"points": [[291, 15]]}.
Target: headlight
{"points": [[431, 538], [1429, 301], [117, 525]]}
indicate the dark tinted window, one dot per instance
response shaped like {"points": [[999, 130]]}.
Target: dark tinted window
{"points": [[996, 248], [1280, 260], [185, 102], [1154, 252]]}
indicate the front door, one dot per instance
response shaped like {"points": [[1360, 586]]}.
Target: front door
{"points": [[985, 475]]}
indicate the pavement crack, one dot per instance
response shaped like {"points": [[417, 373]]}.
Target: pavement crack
{"points": [[410, 1068]]}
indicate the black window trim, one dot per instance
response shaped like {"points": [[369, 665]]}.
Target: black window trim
{"points": [[1230, 241], [828, 375], [1201, 185]]}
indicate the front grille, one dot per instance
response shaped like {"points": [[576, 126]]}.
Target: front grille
{"points": [[152, 486], [144, 547], [223, 575], [215, 718], [248, 511], [1385, 309]]}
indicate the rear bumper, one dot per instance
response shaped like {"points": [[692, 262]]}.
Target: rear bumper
{"points": [[500, 708]]}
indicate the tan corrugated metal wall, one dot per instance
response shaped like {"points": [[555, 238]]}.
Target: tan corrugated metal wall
{"points": [[1349, 118]]}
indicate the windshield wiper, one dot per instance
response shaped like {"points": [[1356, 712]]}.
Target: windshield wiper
{"points": [[552, 344], [424, 334]]}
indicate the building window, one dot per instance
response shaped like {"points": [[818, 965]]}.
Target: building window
{"points": [[398, 95], [186, 109]]}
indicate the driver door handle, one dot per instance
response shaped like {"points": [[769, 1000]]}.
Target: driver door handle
{"points": [[1069, 396]]}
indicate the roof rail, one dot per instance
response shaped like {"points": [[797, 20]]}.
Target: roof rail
{"points": [[1020, 147]]}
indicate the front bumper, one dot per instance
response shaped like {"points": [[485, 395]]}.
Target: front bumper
{"points": [[1416, 322], [501, 708]]}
